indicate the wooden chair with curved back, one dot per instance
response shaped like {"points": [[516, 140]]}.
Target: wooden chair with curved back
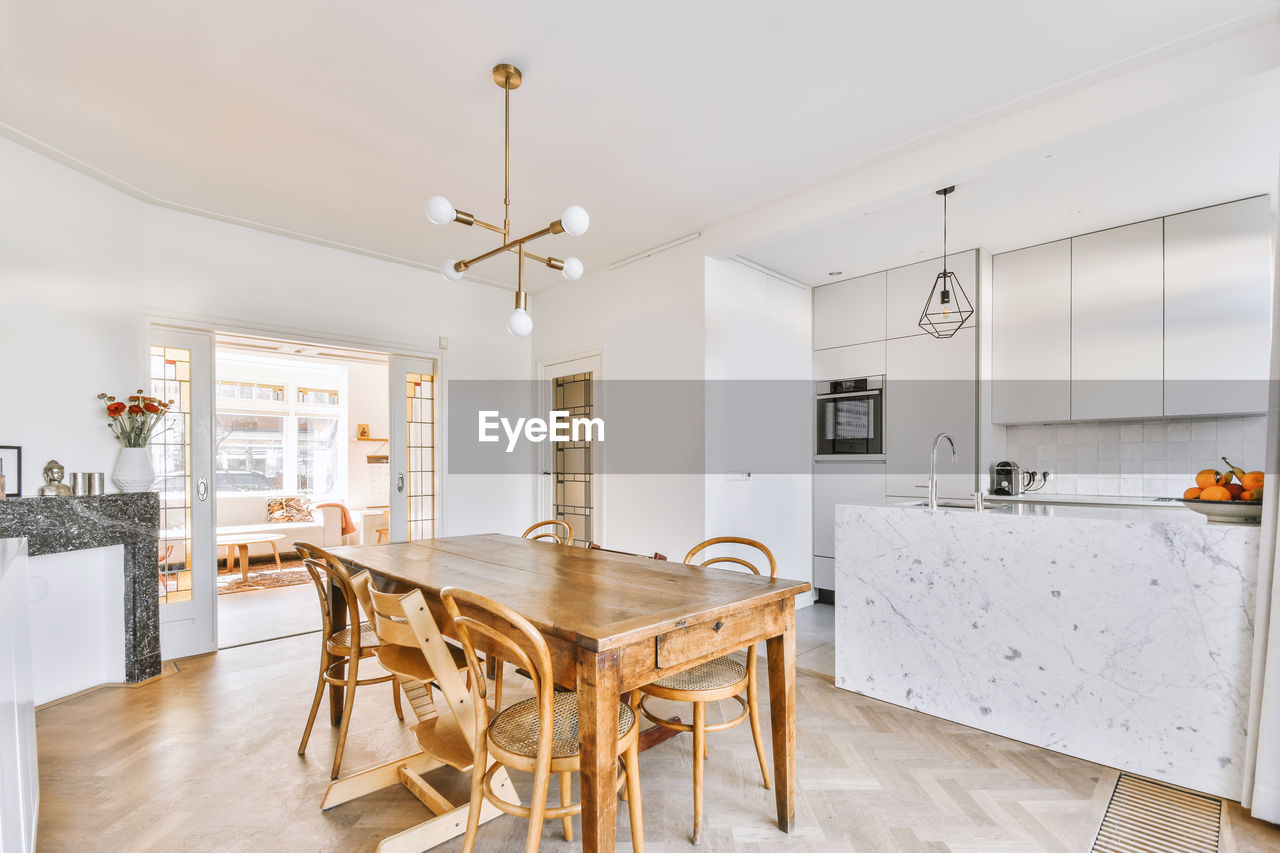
{"points": [[340, 650], [713, 681], [493, 662], [565, 537], [537, 735], [412, 647]]}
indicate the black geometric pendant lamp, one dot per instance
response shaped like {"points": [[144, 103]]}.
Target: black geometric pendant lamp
{"points": [[948, 307]]}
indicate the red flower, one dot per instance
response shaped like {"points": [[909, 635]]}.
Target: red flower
{"points": [[135, 409], [115, 410], [133, 398], [152, 408]]}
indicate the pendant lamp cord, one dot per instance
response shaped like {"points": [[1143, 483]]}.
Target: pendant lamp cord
{"points": [[944, 233]]}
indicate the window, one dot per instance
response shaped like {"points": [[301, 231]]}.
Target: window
{"points": [[280, 428]]}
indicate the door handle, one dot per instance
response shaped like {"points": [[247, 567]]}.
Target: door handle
{"points": [[546, 473], [202, 488], [400, 483]]}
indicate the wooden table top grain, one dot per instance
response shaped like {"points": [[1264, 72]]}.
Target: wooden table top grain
{"points": [[596, 600]]}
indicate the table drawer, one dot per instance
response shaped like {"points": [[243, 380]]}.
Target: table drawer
{"points": [[708, 639]]}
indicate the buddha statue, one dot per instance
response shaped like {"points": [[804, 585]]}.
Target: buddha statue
{"points": [[53, 486]]}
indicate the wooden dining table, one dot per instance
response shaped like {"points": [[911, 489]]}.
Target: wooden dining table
{"points": [[613, 622]]}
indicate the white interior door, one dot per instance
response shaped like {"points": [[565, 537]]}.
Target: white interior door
{"points": [[180, 368], [571, 487], [413, 447]]}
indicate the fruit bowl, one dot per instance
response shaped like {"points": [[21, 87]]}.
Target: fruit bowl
{"points": [[1226, 512]]}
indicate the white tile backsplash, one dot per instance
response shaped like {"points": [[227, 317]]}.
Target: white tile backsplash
{"points": [[1155, 457]]}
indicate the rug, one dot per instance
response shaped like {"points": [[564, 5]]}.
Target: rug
{"points": [[291, 574]]}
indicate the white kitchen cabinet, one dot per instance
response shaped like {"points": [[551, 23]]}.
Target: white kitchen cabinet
{"points": [[908, 288], [1217, 298], [849, 362], [849, 312], [1031, 334], [931, 387], [1117, 322]]}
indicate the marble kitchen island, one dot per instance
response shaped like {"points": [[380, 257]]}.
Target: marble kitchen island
{"points": [[1123, 638]]}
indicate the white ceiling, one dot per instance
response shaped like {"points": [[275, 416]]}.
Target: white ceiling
{"points": [[1149, 165], [336, 120]]}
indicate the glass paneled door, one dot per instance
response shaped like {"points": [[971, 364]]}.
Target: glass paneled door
{"points": [[413, 448], [571, 485], [180, 368]]}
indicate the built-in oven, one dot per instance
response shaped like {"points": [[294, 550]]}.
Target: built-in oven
{"points": [[850, 417]]}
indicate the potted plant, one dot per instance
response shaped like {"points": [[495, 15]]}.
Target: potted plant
{"points": [[134, 423]]}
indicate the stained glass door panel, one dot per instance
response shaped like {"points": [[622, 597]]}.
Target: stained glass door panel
{"points": [[412, 451], [180, 368]]}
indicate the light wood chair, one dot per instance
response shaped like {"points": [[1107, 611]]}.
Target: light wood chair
{"points": [[412, 646], [384, 535], [555, 524], [713, 681], [537, 735], [493, 663], [342, 650]]}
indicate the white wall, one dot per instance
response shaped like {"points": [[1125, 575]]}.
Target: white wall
{"points": [[83, 266], [646, 320], [759, 369], [367, 392], [71, 321]]}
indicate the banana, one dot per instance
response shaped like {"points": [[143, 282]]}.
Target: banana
{"points": [[1233, 469]]}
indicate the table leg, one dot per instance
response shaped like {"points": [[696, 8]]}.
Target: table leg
{"points": [[598, 730], [338, 619], [782, 710], [244, 562], [276, 551]]}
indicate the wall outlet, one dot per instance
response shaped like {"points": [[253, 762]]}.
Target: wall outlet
{"points": [[444, 342]]}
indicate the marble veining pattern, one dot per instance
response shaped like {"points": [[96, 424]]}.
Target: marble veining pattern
{"points": [[54, 525], [1123, 642]]}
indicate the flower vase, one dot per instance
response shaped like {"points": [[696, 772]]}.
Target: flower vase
{"points": [[133, 471]]}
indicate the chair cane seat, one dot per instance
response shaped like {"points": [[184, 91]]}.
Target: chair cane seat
{"points": [[712, 675], [515, 729], [342, 639]]}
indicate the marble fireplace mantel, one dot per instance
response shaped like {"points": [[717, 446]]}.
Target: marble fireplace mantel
{"points": [[55, 525]]}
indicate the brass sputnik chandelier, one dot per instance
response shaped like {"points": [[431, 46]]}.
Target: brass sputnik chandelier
{"points": [[574, 220]]}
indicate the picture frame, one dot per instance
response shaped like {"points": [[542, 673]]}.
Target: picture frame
{"points": [[362, 431], [11, 465]]}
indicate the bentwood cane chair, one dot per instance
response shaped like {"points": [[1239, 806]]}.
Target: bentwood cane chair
{"points": [[537, 735], [713, 681], [493, 663], [564, 537], [342, 650]]}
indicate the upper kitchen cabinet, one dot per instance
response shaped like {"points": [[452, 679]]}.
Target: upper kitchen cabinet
{"points": [[1031, 334], [909, 287], [1217, 303], [849, 362], [849, 312], [1117, 322]]}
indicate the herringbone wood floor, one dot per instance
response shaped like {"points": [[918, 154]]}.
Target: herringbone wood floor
{"points": [[204, 759]]}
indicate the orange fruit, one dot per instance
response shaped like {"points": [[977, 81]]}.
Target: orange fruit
{"points": [[1253, 480], [1191, 493], [1215, 493], [1235, 489], [1208, 477], [1251, 495]]}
